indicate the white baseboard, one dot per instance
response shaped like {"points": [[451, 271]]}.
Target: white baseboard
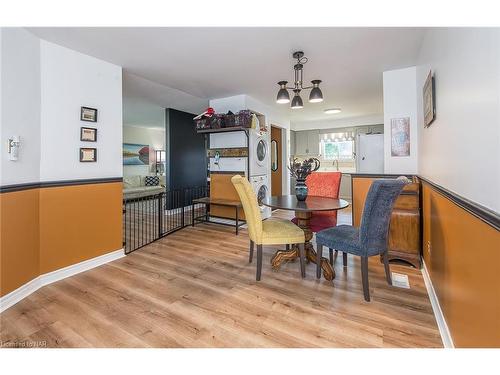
{"points": [[438, 313], [24, 291], [20, 293]]}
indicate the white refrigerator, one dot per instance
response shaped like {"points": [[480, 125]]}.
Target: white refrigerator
{"points": [[370, 153]]}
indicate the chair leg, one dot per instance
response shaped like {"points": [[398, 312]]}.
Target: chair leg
{"points": [[251, 252], [319, 254], [331, 255], [364, 276], [302, 253], [259, 262], [385, 258], [344, 258]]}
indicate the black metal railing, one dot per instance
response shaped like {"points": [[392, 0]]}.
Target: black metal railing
{"points": [[149, 218]]}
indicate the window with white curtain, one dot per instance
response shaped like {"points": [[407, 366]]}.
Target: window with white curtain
{"points": [[341, 150]]}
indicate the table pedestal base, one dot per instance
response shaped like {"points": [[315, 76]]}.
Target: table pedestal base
{"points": [[281, 256]]}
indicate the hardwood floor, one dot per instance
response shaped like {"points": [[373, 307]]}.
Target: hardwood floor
{"points": [[195, 288]]}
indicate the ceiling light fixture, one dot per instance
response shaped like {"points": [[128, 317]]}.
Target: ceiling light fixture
{"points": [[332, 111], [315, 96], [283, 95], [297, 100]]}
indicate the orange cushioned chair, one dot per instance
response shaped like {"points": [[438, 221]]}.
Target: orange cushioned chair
{"points": [[323, 184]]}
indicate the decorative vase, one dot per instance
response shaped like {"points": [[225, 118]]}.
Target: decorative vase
{"points": [[301, 190], [300, 170]]}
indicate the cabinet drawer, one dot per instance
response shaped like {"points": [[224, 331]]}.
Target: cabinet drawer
{"points": [[407, 202]]}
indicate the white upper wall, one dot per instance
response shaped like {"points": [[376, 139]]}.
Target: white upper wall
{"points": [[70, 80], [461, 149], [331, 122], [233, 103], [20, 105], [140, 112], [400, 101]]}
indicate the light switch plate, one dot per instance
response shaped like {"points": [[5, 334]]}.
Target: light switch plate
{"points": [[400, 280]]}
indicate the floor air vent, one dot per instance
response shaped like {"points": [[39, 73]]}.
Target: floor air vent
{"points": [[400, 280]]}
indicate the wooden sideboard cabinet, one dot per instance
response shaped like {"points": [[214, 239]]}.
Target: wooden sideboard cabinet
{"points": [[405, 226], [404, 230]]}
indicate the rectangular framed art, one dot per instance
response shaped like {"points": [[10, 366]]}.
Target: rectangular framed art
{"points": [[429, 96], [135, 154], [88, 155], [88, 134], [88, 114], [400, 136]]}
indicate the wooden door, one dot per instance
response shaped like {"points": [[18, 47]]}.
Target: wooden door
{"points": [[276, 161]]}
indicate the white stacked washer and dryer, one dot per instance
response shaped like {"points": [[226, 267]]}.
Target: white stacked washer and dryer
{"points": [[260, 166]]}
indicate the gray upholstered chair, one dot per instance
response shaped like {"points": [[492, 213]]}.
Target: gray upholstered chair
{"points": [[372, 236]]}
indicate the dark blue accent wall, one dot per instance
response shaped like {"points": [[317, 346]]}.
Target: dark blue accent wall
{"points": [[185, 151]]}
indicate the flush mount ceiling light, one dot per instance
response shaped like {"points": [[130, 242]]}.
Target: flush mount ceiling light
{"points": [[332, 111], [315, 96]]}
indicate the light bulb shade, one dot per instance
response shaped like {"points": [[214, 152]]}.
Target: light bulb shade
{"points": [[160, 156], [316, 95], [297, 101], [283, 96]]}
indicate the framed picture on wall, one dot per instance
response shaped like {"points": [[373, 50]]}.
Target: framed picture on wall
{"points": [[88, 134], [88, 155], [429, 93], [88, 114], [135, 154], [400, 136]]}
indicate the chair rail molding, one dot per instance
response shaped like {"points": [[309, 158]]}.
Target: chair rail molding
{"points": [[51, 277]]}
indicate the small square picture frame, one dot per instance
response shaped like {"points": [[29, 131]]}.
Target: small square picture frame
{"points": [[88, 114], [88, 134], [88, 155]]}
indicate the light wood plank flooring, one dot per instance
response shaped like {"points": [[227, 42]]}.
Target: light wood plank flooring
{"points": [[195, 288]]}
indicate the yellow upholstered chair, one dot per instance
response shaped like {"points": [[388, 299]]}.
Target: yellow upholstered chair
{"points": [[269, 232]]}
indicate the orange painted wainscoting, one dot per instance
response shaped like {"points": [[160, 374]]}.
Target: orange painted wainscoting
{"points": [[462, 256], [19, 239], [49, 228]]}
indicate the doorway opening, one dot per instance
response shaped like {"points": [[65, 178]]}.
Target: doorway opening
{"points": [[276, 161]]}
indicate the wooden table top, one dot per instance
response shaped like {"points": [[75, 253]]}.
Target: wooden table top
{"points": [[312, 203]]}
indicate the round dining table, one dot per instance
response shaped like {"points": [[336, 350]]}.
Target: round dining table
{"points": [[303, 213]]}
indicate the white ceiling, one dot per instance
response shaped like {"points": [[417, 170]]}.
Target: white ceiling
{"points": [[219, 62]]}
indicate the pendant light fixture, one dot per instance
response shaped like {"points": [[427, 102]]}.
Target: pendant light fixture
{"points": [[297, 100], [315, 96], [283, 95]]}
